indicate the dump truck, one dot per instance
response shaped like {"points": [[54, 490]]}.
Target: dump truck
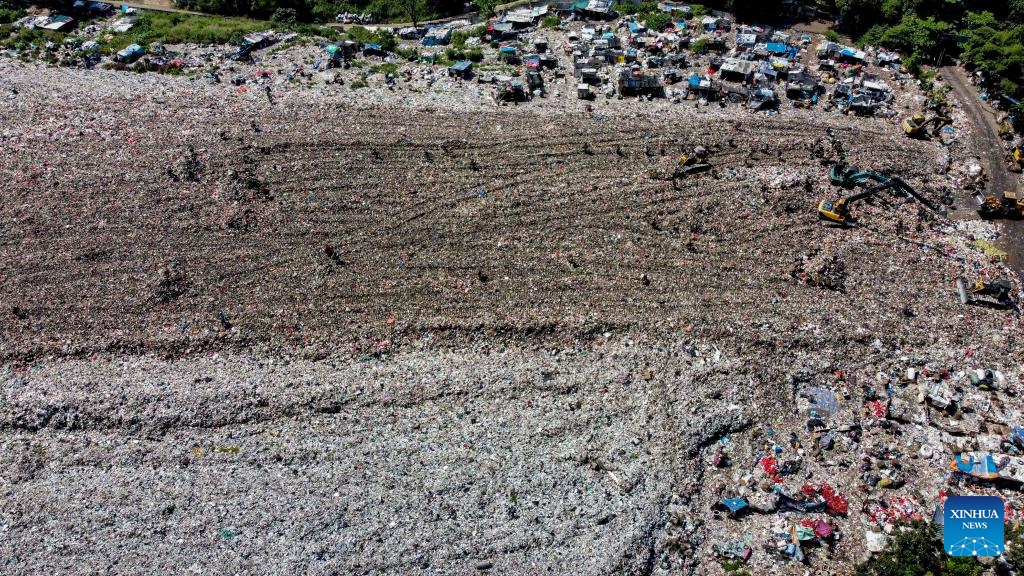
{"points": [[917, 126]]}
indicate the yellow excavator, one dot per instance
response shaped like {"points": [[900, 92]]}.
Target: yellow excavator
{"points": [[1015, 158], [994, 294], [917, 126], [838, 210], [1010, 206]]}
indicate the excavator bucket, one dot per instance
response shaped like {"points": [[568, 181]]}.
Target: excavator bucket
{"points": [[961, 290]]}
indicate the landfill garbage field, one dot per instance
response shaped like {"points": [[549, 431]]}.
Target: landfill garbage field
{"points": [[312, 331]]}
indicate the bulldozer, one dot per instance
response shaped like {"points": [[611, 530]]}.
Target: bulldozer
{"points": [[1015, 158], [1010, 206], [692, 163], [994, 294], [917, 126]]}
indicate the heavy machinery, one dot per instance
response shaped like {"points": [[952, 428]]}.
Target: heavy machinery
{"points": [[1015, 158], [994, 294], [1010, 206], [692, 163], [838, 210], [917, 126], [849, 177]]}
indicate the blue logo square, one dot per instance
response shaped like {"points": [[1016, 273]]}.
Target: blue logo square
{"points": [[973, 526]]}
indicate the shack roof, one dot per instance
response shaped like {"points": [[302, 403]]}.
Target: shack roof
{"points": [[738, 66], [746, 39]]}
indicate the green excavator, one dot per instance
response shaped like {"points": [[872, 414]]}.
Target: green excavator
{"points": [[838, 210]]}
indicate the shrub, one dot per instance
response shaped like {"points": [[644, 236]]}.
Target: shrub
{"points": [[410, 54], [831, 35], [475, 55], [551, 21], [916, 551], [453, 54], [385, 68], [285, 16], [627, 8], [8, 15], [657, 21]]}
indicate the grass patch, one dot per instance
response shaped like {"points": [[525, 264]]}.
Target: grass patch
{"points": [[498, 69], [23, 38], [173, 28], [410, 54], [385, 68], [358, 83]]}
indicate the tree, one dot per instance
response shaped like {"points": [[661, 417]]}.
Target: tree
{"points": [[414, 10], [486, 7], [1015, 11], [285, 16], [916, 551], [657, 21]]}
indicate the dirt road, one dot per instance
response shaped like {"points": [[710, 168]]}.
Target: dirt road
{"points": [[989, 148]]}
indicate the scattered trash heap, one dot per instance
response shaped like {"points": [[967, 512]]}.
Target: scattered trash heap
{"points": [[293, 326], [518, 56]]}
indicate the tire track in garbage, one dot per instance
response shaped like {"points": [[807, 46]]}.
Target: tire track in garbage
{"points": [[453, 235]]}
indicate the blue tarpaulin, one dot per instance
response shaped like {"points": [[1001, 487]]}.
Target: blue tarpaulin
{"points": [[984, 466], [734, 504], [851, 53], [777, 48], [694, 80], [633, 26]]}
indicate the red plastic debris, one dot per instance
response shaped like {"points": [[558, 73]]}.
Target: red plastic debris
{"points": [[877, 408]]}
